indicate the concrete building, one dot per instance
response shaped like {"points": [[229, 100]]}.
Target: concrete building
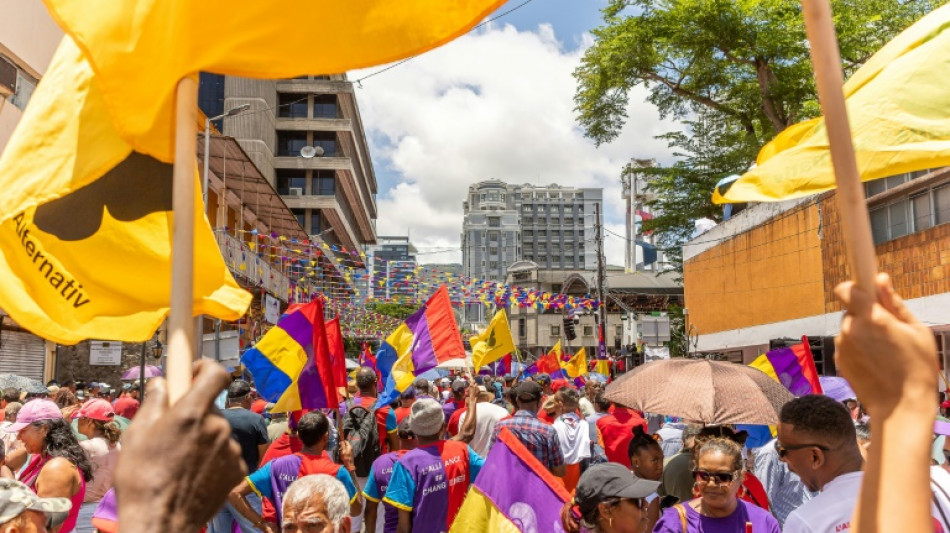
{"points": [[767, 276], [391, 264], [628, 296], [550, 225], [306, 137]]}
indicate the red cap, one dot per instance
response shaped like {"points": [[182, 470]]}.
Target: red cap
{"points": [[945, 405], [558, 384], [97, 409]]}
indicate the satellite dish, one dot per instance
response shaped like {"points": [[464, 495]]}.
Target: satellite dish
{"points": [[308, 152]]}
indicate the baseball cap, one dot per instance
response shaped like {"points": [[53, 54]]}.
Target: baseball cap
{"points": [[16, 498], [97, 409], [426, 417], [34, 411], [543, 379], [529, 391], [409, 393], [610, 480], [93, 385], [459, 385]]}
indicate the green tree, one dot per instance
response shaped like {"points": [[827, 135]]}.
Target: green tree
{"points": [[394, 309], [734, 72]]}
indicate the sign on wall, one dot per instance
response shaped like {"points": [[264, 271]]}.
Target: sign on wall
{"points": [[105, 353]]}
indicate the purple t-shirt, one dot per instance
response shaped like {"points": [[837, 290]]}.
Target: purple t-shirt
{"points": [[762, 521], [378, 483]]}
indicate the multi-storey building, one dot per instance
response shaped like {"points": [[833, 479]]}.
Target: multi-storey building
{"points": [[391, 264], [306, 136]]}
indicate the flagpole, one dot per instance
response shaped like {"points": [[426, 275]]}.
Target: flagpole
{"points": [[181, 323], [853, 211]]}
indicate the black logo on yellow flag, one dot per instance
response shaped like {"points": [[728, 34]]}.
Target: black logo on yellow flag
{"points": [[135, 188]]}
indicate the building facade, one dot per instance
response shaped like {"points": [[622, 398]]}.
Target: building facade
{"points": [[306, 136], [767, 275], [391, 266]]}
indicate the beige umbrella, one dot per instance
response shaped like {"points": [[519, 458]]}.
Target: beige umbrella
{"points": [[701, 390]]}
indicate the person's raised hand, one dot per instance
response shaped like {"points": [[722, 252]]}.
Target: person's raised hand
{"points": [[886, 354], [346, 455], [178, 462]]}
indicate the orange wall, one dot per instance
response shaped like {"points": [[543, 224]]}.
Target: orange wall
{"points": [[769, 274]]}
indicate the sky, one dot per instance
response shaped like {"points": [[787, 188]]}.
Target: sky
{"points": [[496, 103]]}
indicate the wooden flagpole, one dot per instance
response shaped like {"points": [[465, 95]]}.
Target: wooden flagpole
{"points": [[852, 208], [181, 322]]}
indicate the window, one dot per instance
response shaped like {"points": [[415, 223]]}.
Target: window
{"points": [[292, 105], [522, 328], [315, 223], [588, 331], [493, 265], [323, 183], [493, 236], [289, 143], [942, 204], [897, 213], [300, 214], [619, 331], [494, 222], [324, 106], [529, 220], [542, 233], [555, 331], [288, 179], [923, 214], [326, 140]]}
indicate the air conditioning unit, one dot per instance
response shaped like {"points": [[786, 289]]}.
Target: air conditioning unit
{"points": [[296, 191]]}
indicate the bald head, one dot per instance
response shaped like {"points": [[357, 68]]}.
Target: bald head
{"points": [[365, 379]]}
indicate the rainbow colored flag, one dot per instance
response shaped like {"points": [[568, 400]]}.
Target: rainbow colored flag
{"points": [[429, 337], [494, 503], [793, 367], [291, 363]]}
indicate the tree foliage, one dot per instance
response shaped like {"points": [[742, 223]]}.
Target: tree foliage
{"points": [[395, 309], [734, 72]]}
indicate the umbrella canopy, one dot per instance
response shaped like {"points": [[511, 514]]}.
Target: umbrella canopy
{"points": [[457, 364], [135, 371], [28, 385], [701, 390], [836, 388]]}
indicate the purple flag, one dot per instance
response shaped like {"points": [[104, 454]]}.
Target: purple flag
{"points": [[789, 371]]}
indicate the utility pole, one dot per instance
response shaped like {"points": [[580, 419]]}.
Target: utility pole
{"points": [[601, 278]]}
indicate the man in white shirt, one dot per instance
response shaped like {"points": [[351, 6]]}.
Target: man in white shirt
{"points": [[573, 433], [816, 439], [486, 416]]}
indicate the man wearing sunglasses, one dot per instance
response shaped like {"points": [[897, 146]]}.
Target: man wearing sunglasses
{"points": [[816, 439]]}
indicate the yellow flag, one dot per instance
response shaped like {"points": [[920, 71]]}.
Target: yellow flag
{"points": [[899, 110], [85, 222], [577, 366], [178, 38], [602, 367], [762, 363], [493, 343]]}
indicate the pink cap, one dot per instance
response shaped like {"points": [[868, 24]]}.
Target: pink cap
{"points": [[34, 411], [97, 409]]}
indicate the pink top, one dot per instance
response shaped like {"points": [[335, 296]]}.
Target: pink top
{"points": [[32, 472]]}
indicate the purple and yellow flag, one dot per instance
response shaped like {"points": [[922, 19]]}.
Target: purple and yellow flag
{"points": [[494, 503], [782, 365]]}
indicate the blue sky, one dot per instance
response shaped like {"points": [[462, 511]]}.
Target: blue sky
{"points": [[496, 103]]}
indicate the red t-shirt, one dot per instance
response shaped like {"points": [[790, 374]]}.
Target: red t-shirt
{"points": [[617, 432], [753, 492], [402, 413], [258, 406], [454, 420], [126, 406]]}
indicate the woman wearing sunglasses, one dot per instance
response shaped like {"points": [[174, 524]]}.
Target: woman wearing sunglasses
{"points": [[717, 472], [609, 499]]}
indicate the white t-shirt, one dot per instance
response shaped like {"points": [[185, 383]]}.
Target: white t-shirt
{"points": [[831, 510], [487, 415], [940, 486], [573, 434]]}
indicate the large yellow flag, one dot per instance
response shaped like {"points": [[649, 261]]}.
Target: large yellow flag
{"points": [[899, 110], [493, 343], [140, 49], [577, 366], [85, 222]]}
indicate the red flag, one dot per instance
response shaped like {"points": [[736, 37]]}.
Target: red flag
{"points": [[369, 360], [549, 363], [807, 361], [337, 351]]}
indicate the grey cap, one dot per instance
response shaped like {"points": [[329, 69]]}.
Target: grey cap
{"points": [[610, 480], [16, 498], [426, 417]]}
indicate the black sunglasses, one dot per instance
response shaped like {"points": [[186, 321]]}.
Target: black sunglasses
{"points": [[721, 478], [783, 450]]}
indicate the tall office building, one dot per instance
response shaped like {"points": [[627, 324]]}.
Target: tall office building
{"points": [[391, 264], [306, 136], [550, 225]]}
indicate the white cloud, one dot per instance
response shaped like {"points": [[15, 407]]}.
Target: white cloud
{"points": [[494, 104]]}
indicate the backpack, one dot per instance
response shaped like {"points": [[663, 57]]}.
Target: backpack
{"points": [[359, 429]]}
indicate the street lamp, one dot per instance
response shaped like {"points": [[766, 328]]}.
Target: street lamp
{"points": [[208, 120]]}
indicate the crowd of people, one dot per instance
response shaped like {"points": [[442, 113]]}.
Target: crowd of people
{"points": [[228, 463]]}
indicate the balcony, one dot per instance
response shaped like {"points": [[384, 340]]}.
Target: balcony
{"points": [[247, 266]]}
